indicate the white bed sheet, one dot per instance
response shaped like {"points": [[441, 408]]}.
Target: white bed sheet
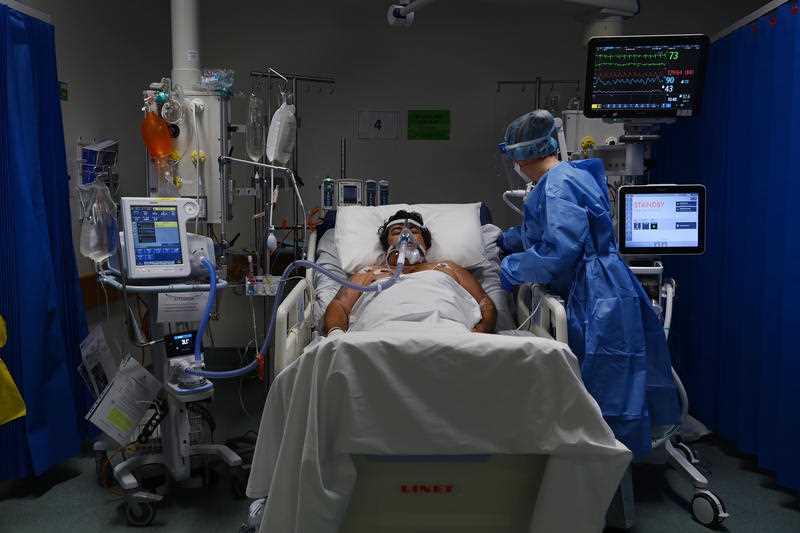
{"points": [[408, 389]]}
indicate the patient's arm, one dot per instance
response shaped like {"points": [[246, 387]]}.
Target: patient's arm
{"points": [[337, 315], [471, 285]]}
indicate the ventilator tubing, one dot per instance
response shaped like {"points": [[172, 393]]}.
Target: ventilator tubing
{"points": [[223, 374]]}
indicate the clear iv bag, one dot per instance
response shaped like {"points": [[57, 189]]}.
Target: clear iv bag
{"points": [[280, 139], [255, 128], [99, 230]]}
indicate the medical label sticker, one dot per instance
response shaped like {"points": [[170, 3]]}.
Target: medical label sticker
{"points": [[181, 306], [119, 420]]}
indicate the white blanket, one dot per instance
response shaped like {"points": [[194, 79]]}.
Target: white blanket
{"points": [[429, 297], [415, 389]]}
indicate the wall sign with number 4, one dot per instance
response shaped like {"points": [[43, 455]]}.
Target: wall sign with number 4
{"points": [[378, 124]]}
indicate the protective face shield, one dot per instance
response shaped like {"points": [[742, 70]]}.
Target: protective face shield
{"points": [[530, 136], [520, 173], [415, 250], [535, 146]]}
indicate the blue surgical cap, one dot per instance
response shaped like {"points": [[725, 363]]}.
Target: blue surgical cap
{"points": [[530, 136]]}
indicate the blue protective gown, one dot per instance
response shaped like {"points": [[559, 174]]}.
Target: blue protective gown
{"points": [[567, 242]]}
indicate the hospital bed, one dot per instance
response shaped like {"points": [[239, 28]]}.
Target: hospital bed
{"points": [[445, 493]]}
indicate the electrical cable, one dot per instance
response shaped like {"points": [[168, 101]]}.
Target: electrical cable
{"points": [[538, 304], [197, 167], [241, 380]]}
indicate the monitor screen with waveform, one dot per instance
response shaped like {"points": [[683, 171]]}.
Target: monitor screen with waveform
{"points": [[645, 76]]}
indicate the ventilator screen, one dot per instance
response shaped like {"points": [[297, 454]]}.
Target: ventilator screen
{"points": [[662, 220], [156, 235], [648, 76]]}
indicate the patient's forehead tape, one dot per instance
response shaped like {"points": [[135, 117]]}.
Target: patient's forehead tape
{"points": [[403, 221]]}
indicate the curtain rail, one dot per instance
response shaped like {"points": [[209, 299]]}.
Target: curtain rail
{"points": [[31, 12], [755, 15]]}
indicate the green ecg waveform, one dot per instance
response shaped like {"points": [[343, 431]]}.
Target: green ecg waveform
{"points": [[639, 57], [633, 64]]}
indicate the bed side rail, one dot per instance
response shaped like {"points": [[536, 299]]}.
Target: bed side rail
{"points": [[550, 320], [294, 322], [293, 326]]}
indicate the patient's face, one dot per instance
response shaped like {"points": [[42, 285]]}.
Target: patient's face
{"points": [[396, 230]]}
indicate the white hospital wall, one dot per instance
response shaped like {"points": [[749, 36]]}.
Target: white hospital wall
{"points": [[446, 60], [451, 58]]}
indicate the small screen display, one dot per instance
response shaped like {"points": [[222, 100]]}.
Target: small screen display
{"points": [[645, 77], [662, 220], [350, 194], [180, 344], [156, 235]]}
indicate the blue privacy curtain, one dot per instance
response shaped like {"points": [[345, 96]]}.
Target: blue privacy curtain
{"points": [[736, 334], [39, 292]]}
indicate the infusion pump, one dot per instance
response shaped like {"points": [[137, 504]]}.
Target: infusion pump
{"points": [[349, 191]]}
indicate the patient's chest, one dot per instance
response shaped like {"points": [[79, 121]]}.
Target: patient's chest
{"points": [[429, 295], [382, 272]]}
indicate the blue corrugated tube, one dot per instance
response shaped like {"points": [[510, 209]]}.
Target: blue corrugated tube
{"points": [[223, 374]]}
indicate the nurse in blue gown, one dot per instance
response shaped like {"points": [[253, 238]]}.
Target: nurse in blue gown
{"points": [[566, 241]]}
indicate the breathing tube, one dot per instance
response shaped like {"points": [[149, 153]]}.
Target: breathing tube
{"points": [[406, 245]]}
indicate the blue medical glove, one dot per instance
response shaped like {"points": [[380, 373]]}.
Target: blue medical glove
{"points": [[510, 241], [505, 283]]}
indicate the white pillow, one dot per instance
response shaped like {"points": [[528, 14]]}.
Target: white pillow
{"points": [[455, 231]]}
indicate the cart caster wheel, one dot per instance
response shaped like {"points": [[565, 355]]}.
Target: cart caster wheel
{"points": [[708, 509], [687, 452], [239, 484], [140, 514]]}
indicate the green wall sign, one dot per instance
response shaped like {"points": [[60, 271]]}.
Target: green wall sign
{"points": [[429, 125], [63, 90]]}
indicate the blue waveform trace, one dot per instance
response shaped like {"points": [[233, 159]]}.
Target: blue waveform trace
{"points": [[628, 81], [647, 91]]}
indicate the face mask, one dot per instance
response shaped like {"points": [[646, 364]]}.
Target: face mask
{"points": [[416, 255], [519, 171], [415, 250]]}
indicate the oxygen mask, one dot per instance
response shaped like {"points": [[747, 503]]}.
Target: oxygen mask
{"points": [[409, 249]]}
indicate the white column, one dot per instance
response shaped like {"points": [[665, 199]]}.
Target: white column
{"points": [[184, 15]]}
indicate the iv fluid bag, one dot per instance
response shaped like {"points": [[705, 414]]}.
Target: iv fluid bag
{"points": [[99, 230], [255, 128], [280, 139]]}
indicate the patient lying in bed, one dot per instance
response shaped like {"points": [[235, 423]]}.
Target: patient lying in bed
{"points": [[441, 293]]}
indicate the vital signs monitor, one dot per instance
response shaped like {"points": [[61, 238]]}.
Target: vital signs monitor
{"points": [[156, 244], [661, 219], [645, 76]]}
